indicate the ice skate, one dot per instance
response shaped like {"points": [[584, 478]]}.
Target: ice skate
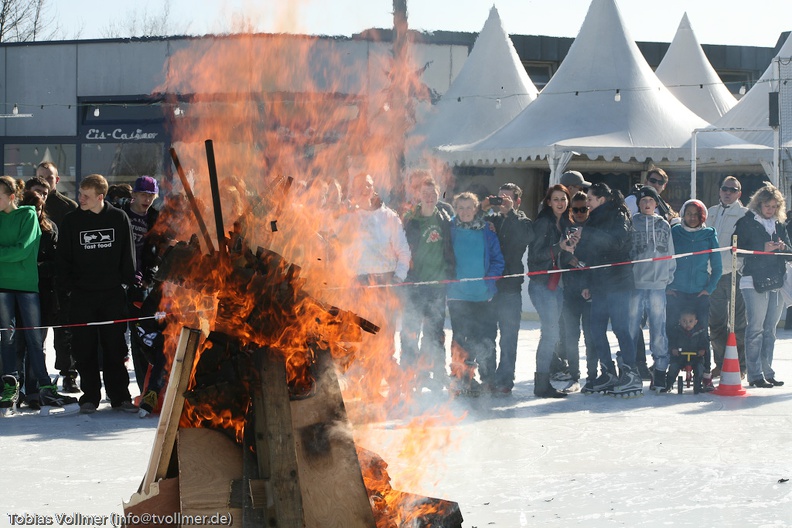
{"points": [[602, 384], [630, 385], [55, 404], [147, 403], [464, 387], [658, 383], [9, 396]]}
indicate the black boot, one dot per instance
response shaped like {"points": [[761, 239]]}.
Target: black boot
{"points": [[70, 382], [542, 387]]}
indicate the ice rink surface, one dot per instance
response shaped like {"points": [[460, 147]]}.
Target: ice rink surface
{"points": [[594, 461]]}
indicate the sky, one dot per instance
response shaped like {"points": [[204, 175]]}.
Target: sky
{"points": [[736, 22]]}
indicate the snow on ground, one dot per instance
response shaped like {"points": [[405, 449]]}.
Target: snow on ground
{"points": [[659, 460]]}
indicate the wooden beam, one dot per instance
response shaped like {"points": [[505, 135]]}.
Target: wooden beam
{"points": [[275, 449], [172, 407], [333, 492]]}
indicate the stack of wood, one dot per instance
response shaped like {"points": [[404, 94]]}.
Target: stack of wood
{"points": [[253, 423]]}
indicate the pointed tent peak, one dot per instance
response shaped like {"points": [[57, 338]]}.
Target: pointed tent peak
{"points": [[684, 23], [489, 91], [603, 56], [687, 72]]}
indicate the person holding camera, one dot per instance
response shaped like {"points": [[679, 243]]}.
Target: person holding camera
{"points": [[575, 312], [515, 232], [545, 290], [762, 229]]}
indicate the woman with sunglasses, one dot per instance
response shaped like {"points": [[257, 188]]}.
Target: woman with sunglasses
{"points": [[606, 239], [575, 312]]}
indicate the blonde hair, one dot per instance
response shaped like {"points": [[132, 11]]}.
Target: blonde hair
{"points": [[97, 182], [764, 195], [467, 195]]}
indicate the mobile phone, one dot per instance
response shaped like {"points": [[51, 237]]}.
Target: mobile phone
{"points": [[495, 200]]}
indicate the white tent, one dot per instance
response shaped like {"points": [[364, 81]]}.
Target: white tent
{"points": [[688, 74], [490, 90], [604, 101], [752, 111]]}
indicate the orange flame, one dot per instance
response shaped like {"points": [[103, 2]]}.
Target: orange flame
{"points": [[318, 111]]}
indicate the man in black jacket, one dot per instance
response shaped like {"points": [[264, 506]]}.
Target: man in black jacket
{"points": [[95, 260], [57, 206], [515, 233]]}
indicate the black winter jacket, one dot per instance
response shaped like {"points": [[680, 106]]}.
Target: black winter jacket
{"points": [[546, 245], [95, 251], [752, 235], [58, 205], [606, 239], [515, 234]]}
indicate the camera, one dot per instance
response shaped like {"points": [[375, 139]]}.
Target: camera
{"points": [[495, 200]]}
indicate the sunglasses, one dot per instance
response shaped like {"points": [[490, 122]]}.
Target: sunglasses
{"points": [[730, 189], [655, 181], [580, 209]]}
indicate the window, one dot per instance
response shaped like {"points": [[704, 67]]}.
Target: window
{"points": [[21, 161], [123, 162]]}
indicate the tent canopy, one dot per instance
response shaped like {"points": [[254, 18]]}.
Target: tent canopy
{"points": [[752, 111], [688, 74], [491, 89], [579, 109]]}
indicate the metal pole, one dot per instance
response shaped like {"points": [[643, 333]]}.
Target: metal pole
{"points": [[733, 284], [693, 166]]}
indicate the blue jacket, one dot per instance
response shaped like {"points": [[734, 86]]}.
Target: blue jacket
{"points": [[692, 275], [492, 261]]}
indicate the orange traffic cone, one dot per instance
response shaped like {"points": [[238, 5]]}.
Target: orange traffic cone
{"points": [[730, 382]]}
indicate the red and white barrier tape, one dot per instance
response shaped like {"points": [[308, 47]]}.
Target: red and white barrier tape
{"points": [[161, 315], [553, 271], [158, 316]]}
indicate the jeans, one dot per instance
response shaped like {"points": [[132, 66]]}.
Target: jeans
{"points": [[719, 320], [576, 311], [548, 304], [653, 303], [30, 313], [614, 306], [471, 326], [508, 312], [424, 310], [677, 301], [762, 312]]}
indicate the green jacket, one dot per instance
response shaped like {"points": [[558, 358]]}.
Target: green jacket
{"points": [[20, 235]]}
